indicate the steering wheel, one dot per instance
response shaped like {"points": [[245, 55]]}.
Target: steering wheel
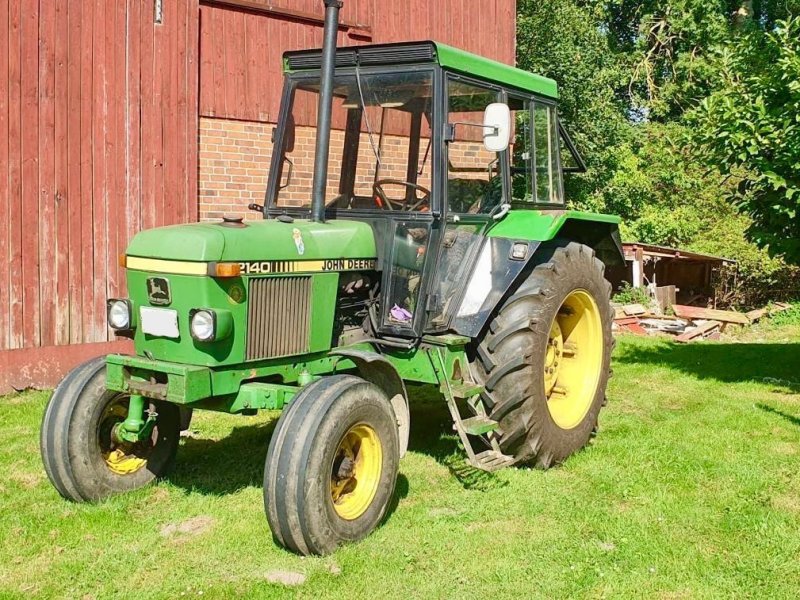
{"points": [[384, 201]]}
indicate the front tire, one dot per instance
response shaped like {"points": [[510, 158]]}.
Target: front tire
{"points": [[79, 456], [545, 358], [332, 465]]}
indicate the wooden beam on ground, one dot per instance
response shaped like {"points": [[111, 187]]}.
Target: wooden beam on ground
{"points": [[696, 312], [697, 332]]}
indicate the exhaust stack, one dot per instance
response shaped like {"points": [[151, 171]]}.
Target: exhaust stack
{"points": [[324, 109]]}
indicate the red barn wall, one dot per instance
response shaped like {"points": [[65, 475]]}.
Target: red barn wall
{"points": [[110, 121]]}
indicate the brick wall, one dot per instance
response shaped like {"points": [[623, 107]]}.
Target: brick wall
{"points": [[234, 159], [233, 163]]}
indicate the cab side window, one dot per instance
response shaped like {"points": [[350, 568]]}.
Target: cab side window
{"points": [[474, 180], [521, 150], [549, 187]]}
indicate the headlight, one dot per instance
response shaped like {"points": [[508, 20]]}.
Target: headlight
{"points": [[203, 325], [119, 314]]}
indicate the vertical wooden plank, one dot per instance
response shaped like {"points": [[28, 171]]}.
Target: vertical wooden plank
{"points": [[217, 15], [167, 109], [74, 162], [29, 217], [5, 274], [133, 123], [15, 174], [147, 49], [251, 62], [233, 56], [62, 198], [181, 83], [116, 213], [87, 174], [47, 167], [99, 170], [157, 141], [192, 105], [206, 100]]}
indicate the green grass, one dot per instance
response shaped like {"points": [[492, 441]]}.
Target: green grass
{"points": [[691, 490]]}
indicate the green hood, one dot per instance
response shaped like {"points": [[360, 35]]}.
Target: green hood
{"points": [[258, 240]]}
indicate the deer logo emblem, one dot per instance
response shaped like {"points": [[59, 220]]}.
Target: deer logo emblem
{"points": [[158, 291]]}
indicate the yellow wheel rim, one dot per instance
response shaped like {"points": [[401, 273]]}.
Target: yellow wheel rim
{"points": [[120, 459], [573, 360], [356, 471]]}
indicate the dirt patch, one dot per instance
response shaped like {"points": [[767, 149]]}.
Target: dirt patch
{"points": [[785, 448], [287, 578], [788, 502], [189, 528], [26, 479]]}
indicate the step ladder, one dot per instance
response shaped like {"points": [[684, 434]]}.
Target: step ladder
{"points": [[480, 426]]}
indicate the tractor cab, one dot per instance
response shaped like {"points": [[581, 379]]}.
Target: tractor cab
{"points": [[430, 149]]}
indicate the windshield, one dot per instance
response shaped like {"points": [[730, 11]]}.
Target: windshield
{"points": [[380, 153]]}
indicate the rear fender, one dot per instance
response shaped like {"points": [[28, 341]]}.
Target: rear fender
{"points": [[496, 271], [377, 370]]}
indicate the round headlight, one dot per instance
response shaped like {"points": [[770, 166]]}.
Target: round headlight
{"points": [[119, 314], [203, 325]]}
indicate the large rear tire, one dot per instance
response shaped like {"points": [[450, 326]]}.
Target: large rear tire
{"points": [[332, 465], [545, 357], [81, 460]]}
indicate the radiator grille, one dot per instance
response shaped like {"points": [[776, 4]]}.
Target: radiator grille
{"points": [[278, 316]]}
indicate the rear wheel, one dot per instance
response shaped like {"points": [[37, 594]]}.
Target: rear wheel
{"points": [[332, 465], [81, 457], [545, 358]]}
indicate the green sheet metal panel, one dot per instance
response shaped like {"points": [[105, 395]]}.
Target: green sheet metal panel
{"points": [[300, 240], [540, 225], [472, 64]]}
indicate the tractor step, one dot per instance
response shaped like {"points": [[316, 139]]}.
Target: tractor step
{"points": [[492, 460], [464, 390], [479, 425]]}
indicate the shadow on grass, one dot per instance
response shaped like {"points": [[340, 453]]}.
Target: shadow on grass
{"points": [[432, 434], [235, 462], [776, 364], [791, 418]]}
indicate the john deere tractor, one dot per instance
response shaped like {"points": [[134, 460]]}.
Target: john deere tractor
{"points": [[414, 230]]}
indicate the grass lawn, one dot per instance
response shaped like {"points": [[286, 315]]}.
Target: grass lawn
{"points": [[691, 490]]}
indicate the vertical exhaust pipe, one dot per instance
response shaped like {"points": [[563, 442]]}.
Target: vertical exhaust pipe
{"points": [[324, 110]]}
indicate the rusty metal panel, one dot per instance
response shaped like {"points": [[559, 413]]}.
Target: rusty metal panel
{"points": [[278, 316]]}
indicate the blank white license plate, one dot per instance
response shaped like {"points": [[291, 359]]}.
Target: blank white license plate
{"points": [[162, 322]]}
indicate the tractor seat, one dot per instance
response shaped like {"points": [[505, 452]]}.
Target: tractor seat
{"points": [[474, 196]]}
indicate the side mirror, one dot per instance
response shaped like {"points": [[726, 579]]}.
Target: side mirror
{"points": [[497, 127]]}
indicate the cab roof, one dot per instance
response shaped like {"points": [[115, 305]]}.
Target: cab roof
{"points": [[445, 56]]}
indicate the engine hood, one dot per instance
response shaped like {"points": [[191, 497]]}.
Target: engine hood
{"points": [[258, 240]]}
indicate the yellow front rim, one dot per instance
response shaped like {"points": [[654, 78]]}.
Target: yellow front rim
{"points": [[573, 360], [120, 459], [356, 471]]}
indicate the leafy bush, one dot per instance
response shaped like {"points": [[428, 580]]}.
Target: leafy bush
{"points": [[631, 295]]}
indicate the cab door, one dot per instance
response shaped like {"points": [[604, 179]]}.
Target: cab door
{"points": [[474, 190]]}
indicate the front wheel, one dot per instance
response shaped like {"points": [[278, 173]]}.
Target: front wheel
{"points": [[81, 458], [332, 465]]}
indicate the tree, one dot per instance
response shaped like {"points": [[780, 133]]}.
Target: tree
{"points": [[750, 128]]}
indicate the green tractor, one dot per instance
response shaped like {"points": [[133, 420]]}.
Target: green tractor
{"points": [[414, 230]]}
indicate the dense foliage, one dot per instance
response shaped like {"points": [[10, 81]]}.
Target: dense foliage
{"points": [[687, 113]]}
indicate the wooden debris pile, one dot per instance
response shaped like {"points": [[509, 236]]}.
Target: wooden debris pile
{"points": [[687, 323]]}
